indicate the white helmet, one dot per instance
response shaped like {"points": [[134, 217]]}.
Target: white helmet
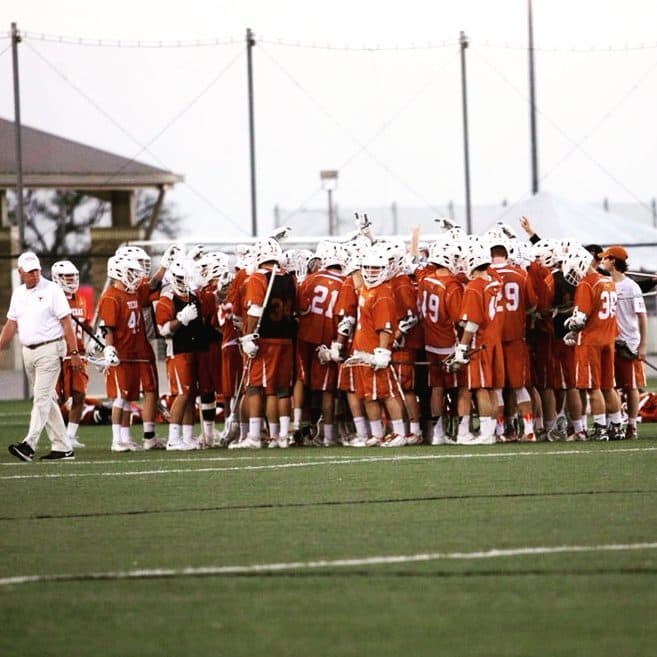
{"points": [[179, 277], [214, 266], [267, 250], [476, 253], [126, 270], [496, 237], [138, 254], [66, 275], [374, 265], [332, 254], [441, 252], [195, 252], [522, 253], [396, 248], [548, 252], [576, 264], [303, 259]]}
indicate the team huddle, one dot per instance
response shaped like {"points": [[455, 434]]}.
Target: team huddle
{"points": [[470, 340]]}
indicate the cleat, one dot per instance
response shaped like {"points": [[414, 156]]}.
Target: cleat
{"points": [[466, 439], [283, 442], [442, 440], [329, 443], [616, 431], [59, 456], [373, 442], [128, 446], [75, 443], [248, 443], [541, 436], [181, 446], [486, 440], [599, 432], [394, 440], [631, 433], [21, 451], [413, 439], [356, 441], [580, 436], [527, 438], [152, 443]]}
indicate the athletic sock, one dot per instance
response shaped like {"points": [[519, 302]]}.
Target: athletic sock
{"points": [[361, 426], [376, 426], [116, 434], [297, 413], [244, 430], [615, 418], [174, 433], [397, 427], [188, 432], [415, 428], [274, 430], [72, 429], [255, 427], [487, 425], [208, 428], [528, 421], [285, 424], [601, 419], [125, 434], [149, 430], [578, 425], [328, 433]]}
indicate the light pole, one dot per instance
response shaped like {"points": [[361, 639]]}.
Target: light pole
{"points": [[329, 178]]}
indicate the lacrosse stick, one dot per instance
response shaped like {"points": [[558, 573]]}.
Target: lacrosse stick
{"points": [[88, 331], [643, 360], [448, 362], [641, 273]]}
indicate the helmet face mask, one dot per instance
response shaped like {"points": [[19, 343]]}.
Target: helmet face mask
{"points": [[66, 275], [179, 278], [125, 270], [441, 253], [576, 265], [374, 266]]}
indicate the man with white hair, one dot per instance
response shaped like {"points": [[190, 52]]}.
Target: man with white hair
{"points": [[41, 317]]}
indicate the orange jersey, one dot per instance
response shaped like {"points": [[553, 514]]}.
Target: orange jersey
{"points": [[377, 312], [595, 296], [405, 296], [518, 297], [482, 304], [121, 311], [317, 298], [347, 304], [78, 306], [231, 305], [440, 301]]}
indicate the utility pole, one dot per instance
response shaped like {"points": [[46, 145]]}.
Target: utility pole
{"points": [[250, 42], [15, 40], [463, 41], [532, 101]]}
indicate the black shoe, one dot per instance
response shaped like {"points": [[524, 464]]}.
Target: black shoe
{"points": [[599, 432], [63, 456], [616, 431], [21, 451]]}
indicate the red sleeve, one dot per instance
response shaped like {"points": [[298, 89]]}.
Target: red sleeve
{"points": [[472, 307]]}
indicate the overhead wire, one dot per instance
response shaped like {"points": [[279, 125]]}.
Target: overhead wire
{"points": [[559, 129], [362, 146], [146, 147]]}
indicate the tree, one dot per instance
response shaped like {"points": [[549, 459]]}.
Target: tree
{"points": [[57, 222]]}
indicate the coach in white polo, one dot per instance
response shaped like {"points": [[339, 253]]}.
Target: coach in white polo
{"points": [[40, 314]]}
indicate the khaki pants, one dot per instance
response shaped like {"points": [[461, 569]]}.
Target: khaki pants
{"points": [[42, 366]]}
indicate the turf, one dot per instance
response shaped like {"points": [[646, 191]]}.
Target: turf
{"points": [[124, 512]]}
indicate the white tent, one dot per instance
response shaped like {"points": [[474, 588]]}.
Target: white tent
{"points": [[554, 216]]}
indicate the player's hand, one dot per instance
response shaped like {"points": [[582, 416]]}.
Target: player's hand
{"points": [[336, 351], [381, 358], [408, 323], [346, 326], [170, 254], [249, 344], [576, 321], [111, 356], [188, 314], [570, 339], [323, 354], [526, 226]]}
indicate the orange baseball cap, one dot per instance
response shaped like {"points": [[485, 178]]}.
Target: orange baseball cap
{"points": [[617, 252]]}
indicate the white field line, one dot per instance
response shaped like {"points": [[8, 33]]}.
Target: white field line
{"points": [[310, 463], [190, 571]]}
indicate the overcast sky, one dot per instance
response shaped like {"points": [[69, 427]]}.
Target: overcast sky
{"points": [[389, 120]]}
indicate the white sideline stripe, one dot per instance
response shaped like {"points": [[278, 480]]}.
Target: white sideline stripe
{"points": [[305, 464], [190, 571]]}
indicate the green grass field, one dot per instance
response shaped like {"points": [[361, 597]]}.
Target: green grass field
{"points": [[547, 549]]}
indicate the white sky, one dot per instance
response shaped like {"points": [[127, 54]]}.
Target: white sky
{"points": [[316, 109]]}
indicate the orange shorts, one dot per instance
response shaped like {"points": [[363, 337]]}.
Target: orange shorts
{"points": [[71, 380], [439, 375], [542, 360], [405, 372], [629, 374], [563, 367], [486, 368], [272, 368], [594, 367], [122, 381], [209, 366], [346, 379], [231, 370], [516, 364], [148, 377], [374, 384]]}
